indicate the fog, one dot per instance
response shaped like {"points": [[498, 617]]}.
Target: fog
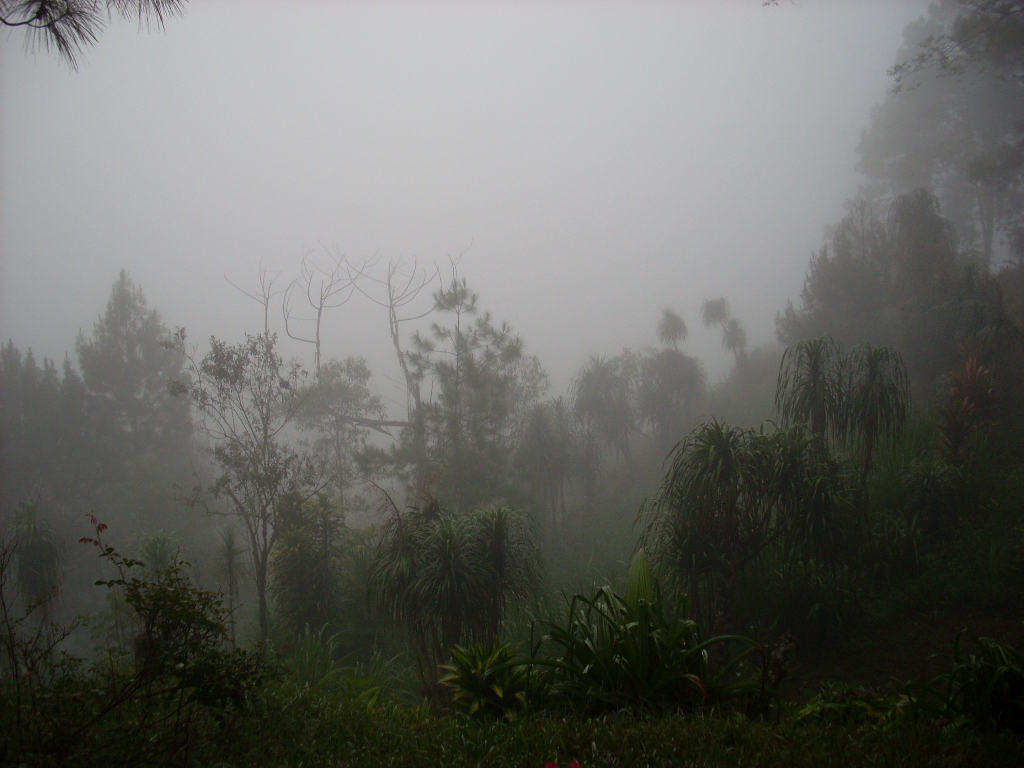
{"points": [[586, 164]]}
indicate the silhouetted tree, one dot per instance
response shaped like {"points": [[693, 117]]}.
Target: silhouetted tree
{"points": [[245, 395], [68, 26]]}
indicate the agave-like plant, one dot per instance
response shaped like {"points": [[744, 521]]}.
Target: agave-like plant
{"points": [[488, 681], [616, 651]]}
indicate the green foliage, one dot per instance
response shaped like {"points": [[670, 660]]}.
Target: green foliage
{"points": [[730, 495], [810, 387], [985, 687], [340, 409], [311, 564], [489, 681], [182, 690], [37, 550], [853, 706], [615, 652], [484, 385], [246, 397], [447, 578]]}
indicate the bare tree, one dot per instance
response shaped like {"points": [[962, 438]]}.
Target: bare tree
{"points": [[325, 288], [264, 295], [396, 290]]}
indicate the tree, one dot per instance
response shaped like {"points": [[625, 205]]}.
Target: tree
{"points": [[339, 407], [324, 288], [483, 386], [734, 336], [878, 400], [447, 578], [671, 328], [810, 387], [545, 456], [670, 385], [898, 283], [603, 399], [848, 290], [37, 550], [246, 398], [732, 495], [69, 26], [402, 288], [309, 563], [128, 364], [715, 312], [952, 124]]}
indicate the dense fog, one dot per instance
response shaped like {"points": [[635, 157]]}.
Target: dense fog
{"points": [[408, 343]]}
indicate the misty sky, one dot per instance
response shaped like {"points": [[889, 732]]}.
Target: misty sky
{"points": [[590, 162]]}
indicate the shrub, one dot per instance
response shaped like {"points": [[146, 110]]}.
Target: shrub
{"points": [[985, 687], [618, 651], [180, 691]]}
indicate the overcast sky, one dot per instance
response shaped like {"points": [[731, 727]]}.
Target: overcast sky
{"points": [[590, 162]]}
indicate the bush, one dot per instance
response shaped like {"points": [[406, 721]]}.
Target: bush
{"points": [[180, 691], [628, 651], [985, 687]]}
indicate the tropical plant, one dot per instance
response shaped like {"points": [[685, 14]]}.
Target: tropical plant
{"points": [[877, 401], [489, 681], [810, 387], [339, 408], [671, 328], [37, 550], [602, 399], [545, 456], [729, 495], [159, 551], [447, 577], [670, 385], [715, 312], [180, 689], [483, 384], [984, 688], [616, 651], [309, 566]]}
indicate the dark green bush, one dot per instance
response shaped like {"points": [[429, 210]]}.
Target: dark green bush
{"points": [[181, 691], [985, 687]]}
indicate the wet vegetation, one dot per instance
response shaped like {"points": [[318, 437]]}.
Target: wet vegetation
{"points": [[214, 555]]}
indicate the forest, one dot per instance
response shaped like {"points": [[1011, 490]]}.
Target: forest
{"points": [[239, 551]]}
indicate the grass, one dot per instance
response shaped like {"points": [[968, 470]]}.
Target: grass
{"points": [[300, 728]]}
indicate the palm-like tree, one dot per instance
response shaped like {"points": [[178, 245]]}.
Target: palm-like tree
{"points": [[715, 312], [707, 515], [447, 578], [734, 339], [671, 328], [734, 336], [878, 399], [602, 400], [670, 384], [810, 386], [730, 495]]}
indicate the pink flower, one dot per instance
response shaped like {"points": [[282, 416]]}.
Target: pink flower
{"points": [[575, 764]]}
